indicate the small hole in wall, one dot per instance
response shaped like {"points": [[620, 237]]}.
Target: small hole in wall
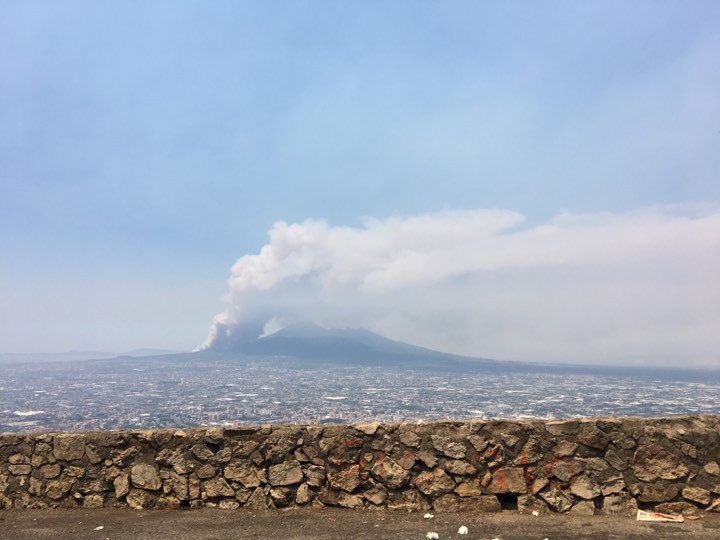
{"points": [[508, 501]]}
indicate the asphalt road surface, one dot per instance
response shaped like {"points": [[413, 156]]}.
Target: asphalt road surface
{"points": [[326, 524]]}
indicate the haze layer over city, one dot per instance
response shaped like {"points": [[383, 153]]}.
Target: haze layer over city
{"points": [[534, 184]]}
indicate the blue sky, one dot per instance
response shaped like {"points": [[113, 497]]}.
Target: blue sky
{"points": [[145, 146]]}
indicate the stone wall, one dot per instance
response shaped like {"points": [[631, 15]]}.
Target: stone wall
{"points": [[604, 465]]}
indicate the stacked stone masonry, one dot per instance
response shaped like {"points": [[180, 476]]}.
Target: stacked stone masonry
{"points": [[604, 465]]}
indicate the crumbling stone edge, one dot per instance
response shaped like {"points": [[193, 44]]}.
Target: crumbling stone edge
{"points": [[579, 466]]}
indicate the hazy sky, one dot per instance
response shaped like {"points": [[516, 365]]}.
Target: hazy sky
{"points": [[530, 180]]}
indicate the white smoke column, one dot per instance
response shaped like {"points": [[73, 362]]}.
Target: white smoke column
{"points": [[633, 287]]}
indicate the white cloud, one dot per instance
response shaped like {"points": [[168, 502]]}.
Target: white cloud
{"points": [[636, 287]]}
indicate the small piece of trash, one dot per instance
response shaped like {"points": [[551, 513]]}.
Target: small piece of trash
{"points": [[432, 536], [642, 515], [99, 528], [463, 530], [428, 516], [535, 513]]}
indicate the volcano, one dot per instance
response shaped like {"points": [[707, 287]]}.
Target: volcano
{"points": [[308, 342]]}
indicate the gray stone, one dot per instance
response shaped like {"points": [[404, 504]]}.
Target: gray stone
{"points": [[178, 485], [565, 470], [583, 508], [369, 428], [558, 499], [75, 472], [428, 459], [538, 484], [95, 500], [138, 499], [615, 460], [92, 454], [509, 439], [281, 496], [228, 504], [689, 450], [244, 473], [390, 474], [565, 449], [304, 494], [121, 485], [410, 438], [446, 503], [242, 495], [217, 487], [376, 495], [622, 440], [245, 448], [285, 474], [612, 487], [527, 504], [478, 442], [593, 464], [457, 466], [409, 499], [658, 492], [448, 447], [69, 447], [531, 452], [508, 480], [16, 459], [20, 470], [350, 501], [406, 460], [686, 509], [315, 476], [468, 489], [698, 495], [482, 503], [434, 483], [202, 452], [584, 487], [206, 471], [562, 427], [652, 463], [57, 489], [594, 438], [494, 455], [145, 476], [345, 479]]}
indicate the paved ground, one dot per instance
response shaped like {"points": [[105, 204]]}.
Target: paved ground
{"points": [[326, 524]]}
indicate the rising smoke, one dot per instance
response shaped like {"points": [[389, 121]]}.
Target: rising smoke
{"points": [[638, 287]]}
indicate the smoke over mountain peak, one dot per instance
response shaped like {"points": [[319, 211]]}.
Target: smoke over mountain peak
{"points": [[631, 287]]}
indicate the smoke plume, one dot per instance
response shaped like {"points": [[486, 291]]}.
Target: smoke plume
{"points": [[635, 287]]}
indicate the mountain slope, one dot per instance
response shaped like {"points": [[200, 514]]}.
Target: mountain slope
{"points": [[311, 343]]}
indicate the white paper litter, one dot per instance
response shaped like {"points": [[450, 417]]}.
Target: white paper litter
{"points": [[642, 515], [535, 513], [432, 536], [428, 516], [100, 528], [463, 530]]}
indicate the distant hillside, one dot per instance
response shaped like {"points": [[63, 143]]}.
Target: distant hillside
{"points": [[311, 343], [74, 356]]}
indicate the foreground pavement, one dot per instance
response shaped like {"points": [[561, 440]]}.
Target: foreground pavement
{"points": [[212, 524]]}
